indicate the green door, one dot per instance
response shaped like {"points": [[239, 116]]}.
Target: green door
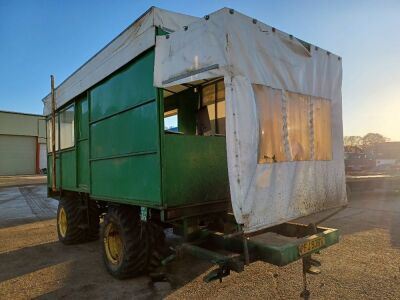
{"points": [[82, 145]]}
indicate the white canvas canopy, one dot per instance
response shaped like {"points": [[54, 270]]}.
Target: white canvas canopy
{"points": [[267, 73], [137, 38], [283, 105]]}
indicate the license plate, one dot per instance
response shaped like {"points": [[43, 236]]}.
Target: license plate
{"points": [[311, 245]]}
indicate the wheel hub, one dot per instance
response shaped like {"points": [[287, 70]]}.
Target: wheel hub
{"points": [[62, 222], [113, 243]]}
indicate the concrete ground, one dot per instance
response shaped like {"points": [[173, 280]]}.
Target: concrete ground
{"points": [[7, 181], [33, 264], [25, 204]]}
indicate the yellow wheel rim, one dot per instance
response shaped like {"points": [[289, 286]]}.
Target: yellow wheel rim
{"points": [[112, 243], [62, 222]]}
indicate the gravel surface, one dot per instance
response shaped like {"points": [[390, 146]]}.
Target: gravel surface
{"points": [[364, 265]]}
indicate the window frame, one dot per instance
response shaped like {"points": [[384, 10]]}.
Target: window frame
{"points": [[57, 134], [214, 104], [72, 105], [171, 113]]}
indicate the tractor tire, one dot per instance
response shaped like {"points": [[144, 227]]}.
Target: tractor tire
{"points": [[76, 224], [130, 247], [69, 220]]}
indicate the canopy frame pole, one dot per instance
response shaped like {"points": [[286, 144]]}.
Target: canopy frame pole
{"points": [[53, 134]]}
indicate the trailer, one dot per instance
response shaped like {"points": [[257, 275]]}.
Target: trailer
{"points": [[222, 128]]}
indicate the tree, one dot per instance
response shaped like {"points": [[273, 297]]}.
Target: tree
{"points": [[352, 140], [372, 139]]}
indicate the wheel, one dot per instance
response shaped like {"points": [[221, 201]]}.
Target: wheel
{"points": [[75, 224], [69, 218], [130, 247]]}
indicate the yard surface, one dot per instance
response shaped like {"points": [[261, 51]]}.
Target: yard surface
{"points": [[7, 181], [364, 265]]}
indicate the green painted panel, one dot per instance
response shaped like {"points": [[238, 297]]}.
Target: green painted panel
{"points": [[68, 169], [195, 170], [124, 136], [134, 178], [50, 170], [188, 104], [82, 113], [132, 131], [82, 144], [118, 154], [283, 254], [129, 86], [83, 165]]}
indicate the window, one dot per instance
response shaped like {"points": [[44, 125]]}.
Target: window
{"points": [[171, 120], [295, 129], [269, 105], [67, 128], [213, 97], [50, 136], [322, 128], [298, 125]]}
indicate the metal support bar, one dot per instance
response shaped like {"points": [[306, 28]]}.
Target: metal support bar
{"points": [[53, 134], [231, 262], [246, 251], [305, 294], [191, 73], [232, 235]]}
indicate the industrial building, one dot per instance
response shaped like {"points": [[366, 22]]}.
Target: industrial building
{"points": [[22, 143]]}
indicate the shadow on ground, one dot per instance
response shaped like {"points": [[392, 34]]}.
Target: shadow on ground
{"points": [[35, 265], [51, 270]]}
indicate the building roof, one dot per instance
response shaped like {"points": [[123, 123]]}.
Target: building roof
{"points": [[20, 113]]}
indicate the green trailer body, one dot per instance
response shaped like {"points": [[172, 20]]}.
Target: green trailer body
{"points": [[122, 154], [115, 159]]}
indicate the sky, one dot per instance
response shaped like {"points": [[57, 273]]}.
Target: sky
{"points": [[43, 37]]}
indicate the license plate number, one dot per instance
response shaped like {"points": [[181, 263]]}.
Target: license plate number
{"points": [[311, 245]]}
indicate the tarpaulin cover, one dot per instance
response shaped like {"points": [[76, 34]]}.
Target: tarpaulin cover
{"points": [[293, 168], [137, 38]]}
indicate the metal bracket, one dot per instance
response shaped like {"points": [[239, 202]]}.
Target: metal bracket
{"points": [[310, 266], [219, 273], [191, 73], [144, 213]]}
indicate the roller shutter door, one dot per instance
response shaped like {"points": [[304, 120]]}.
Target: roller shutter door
{"points": [[17, 155]]}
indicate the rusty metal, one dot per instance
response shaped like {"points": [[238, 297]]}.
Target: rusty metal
{"points": [[305, 294]]}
